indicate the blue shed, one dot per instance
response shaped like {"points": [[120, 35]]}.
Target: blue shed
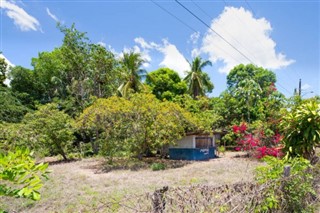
{"points": [[194, 147]]}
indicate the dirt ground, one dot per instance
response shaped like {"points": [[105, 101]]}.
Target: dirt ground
{"points": [[78, 187]]}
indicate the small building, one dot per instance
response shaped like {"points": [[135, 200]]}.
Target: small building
{"points": [[194, 146]]}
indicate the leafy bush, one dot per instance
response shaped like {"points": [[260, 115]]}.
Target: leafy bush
{"points": [[301, 129], [20, 176], [158, 166], [50, 129], [285, 194]]}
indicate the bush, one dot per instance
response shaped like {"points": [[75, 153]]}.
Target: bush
{"points": [[285, 194], [301, 129], [158, 166]]}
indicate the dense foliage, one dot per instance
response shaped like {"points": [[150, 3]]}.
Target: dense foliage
{"points": [[136, 126]]}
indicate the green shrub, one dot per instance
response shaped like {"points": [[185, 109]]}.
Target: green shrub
{"points": [[301, 129], [158, 166], [285, 194]]}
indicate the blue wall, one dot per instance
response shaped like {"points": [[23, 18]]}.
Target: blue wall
{"points": [[191, 153]]}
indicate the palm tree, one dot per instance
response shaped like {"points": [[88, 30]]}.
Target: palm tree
{"points": [[131, 65], [198, 82]]}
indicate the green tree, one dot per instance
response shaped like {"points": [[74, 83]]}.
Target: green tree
{"points": [[50, 129], [136, 126], [165, 83], [251, 95], [24, 84], [11, 109], [131, 64], [198, 82], [73, 74], [48, 69]]}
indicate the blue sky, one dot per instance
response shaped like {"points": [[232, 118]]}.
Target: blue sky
{"points": [[282, 36]]}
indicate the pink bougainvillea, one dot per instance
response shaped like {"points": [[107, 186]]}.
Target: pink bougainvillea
{"points": [[258, 144]]}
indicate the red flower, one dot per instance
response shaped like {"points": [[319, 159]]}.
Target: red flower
{"points": [[236, 129], [243, 127]]}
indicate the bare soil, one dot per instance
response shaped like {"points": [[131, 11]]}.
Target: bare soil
{"points": [[80, 186]]}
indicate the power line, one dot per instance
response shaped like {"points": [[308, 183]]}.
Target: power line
{"points": [[214, 31], [188, 26], [254, 13], [233, 38], [297, 74], [174, 16], [199, 19]]}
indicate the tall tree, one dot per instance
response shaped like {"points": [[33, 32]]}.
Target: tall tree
{"points": [[166, 83], [198, 82], [131, 64], [251, 94]]}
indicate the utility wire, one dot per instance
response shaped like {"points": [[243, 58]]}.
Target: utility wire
{"points": [[174, 16], [199, 19], [297, 74], [188, 26], [233, 38], [255, 14]]}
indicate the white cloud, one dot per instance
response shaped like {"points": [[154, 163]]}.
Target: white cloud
{"points": [[249, 35], [7, 81], [52, 16], [101, 43], [173, 58], [19, 16], [194, 37], [305, 87]]}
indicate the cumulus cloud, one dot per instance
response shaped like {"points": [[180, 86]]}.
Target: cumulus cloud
{"points": [[20, 17], [52, 16], [172, 57], [249, 35]]}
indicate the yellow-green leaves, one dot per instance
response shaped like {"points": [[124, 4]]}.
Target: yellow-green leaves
{"points": [[20, 176], [301, 127]]}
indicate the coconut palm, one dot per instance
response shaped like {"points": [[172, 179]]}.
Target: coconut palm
{"points": [[131, 66], [198, 82]]}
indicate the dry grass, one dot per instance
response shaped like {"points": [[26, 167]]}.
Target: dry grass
{"points": [[78, 187]]}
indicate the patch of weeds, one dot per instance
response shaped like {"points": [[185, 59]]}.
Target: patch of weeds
{"points": [[124, 164], [134, 164], [158, 166]]}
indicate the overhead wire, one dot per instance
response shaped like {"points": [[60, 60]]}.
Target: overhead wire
{"points": [[224, 30], [209, 27], [174, 16], [220, 36], [297, 74], [188, 26]]}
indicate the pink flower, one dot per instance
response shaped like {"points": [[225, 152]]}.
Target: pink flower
{"points": [[243, 127], [235, 129]]}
